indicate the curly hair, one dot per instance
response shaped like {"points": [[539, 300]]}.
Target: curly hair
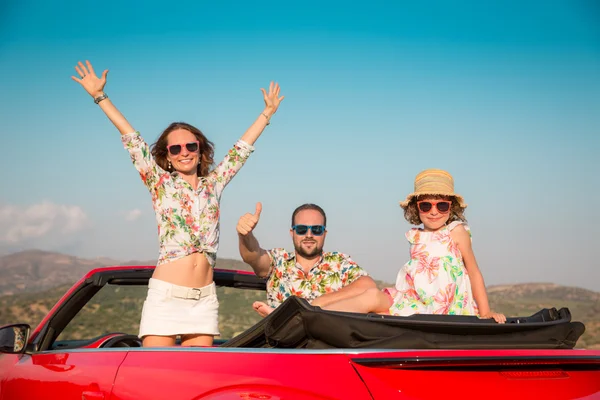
{"points": [[411, 212], [206, 149]]}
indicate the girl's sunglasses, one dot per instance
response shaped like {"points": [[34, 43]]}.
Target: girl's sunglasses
{"points": [[316, 230], [442, 206], [175, 149]]}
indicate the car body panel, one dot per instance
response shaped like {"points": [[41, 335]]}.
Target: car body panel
{"points": [[217, 374], [63, 375], [53, 368], [527, 374]]}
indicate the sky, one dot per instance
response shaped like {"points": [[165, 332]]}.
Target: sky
{"points": [[504, 95]]}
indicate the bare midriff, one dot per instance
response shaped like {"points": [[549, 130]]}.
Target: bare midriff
{"points": [[192, 271]]}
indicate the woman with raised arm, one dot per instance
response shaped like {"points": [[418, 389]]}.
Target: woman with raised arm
{"points": [[185, 192]]}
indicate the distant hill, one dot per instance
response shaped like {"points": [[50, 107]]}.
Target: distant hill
{"points": [[37, 270], [528, 298], [32, 281]]}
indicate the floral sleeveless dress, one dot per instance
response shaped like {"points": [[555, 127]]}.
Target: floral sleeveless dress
{"points": [[435, 280]]}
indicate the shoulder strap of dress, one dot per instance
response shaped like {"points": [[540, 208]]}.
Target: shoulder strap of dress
{"points": [[412, 234], [457, 223], [454, 224]]}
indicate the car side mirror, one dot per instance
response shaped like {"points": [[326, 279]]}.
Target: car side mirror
{"points": [[13, 338]]}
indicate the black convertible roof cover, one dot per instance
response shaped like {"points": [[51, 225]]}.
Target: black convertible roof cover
{"points": [[297, 324]]}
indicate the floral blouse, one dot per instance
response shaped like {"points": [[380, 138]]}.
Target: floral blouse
{"points": [[286, 278], [188, 219], [435, 280]]}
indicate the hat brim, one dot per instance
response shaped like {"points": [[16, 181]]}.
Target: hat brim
{"points": [[458, 197]]}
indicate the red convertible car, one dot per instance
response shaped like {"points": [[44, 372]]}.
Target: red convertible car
{"points": [[86, 348]]}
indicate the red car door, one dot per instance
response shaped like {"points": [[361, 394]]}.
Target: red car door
{"points": [[237, 374], [78, 375]]}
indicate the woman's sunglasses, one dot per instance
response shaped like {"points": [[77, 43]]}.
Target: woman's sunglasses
{"points": [[316, 230], [175, 149], [442, 206]]}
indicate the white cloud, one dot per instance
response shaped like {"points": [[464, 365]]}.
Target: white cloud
{"points": [[133, 214], [19, 224]]}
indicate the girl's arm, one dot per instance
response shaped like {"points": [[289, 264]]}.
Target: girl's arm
{"points": [[463, 240], [95, 88]]}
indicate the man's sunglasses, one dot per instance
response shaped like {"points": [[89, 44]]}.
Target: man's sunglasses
{"points": [[316, 230], [442, 206], [175, 149]]}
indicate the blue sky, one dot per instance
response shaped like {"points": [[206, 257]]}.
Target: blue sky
{"points": [[504, 95]]}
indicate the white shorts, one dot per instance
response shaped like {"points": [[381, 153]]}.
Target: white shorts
{"points": [[178, 310]]}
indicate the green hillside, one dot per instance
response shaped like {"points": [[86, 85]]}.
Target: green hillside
{"points": [[117, 309]]}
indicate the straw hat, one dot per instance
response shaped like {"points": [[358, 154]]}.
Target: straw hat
{"points": [[434, 181]]}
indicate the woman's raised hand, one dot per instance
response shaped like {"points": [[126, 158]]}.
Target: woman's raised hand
{"points": [[272, 99], [95, 88], [88, 79]]}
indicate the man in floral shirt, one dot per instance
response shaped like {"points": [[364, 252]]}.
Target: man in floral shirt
{"points": [[308, 272]]}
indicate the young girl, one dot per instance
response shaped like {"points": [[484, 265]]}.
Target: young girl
{"points": [[185, 194], [442, 276]]}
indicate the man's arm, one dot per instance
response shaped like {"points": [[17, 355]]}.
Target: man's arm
{"points": [[250, 250], [254, 255], [358, 286]]}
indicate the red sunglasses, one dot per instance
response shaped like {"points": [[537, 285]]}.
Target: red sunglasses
{"points": [[192, 147], [443, 206]]}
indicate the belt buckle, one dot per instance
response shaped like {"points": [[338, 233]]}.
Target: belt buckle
{"points": [[197, 293]]}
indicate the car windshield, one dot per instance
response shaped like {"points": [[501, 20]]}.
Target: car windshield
{"points": [[117, 308]]}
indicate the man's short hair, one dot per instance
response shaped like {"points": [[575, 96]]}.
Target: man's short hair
{"points": [[309, 206]]}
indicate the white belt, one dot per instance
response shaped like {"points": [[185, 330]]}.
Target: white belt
{"points": [[187, 292], [193, 293]]}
